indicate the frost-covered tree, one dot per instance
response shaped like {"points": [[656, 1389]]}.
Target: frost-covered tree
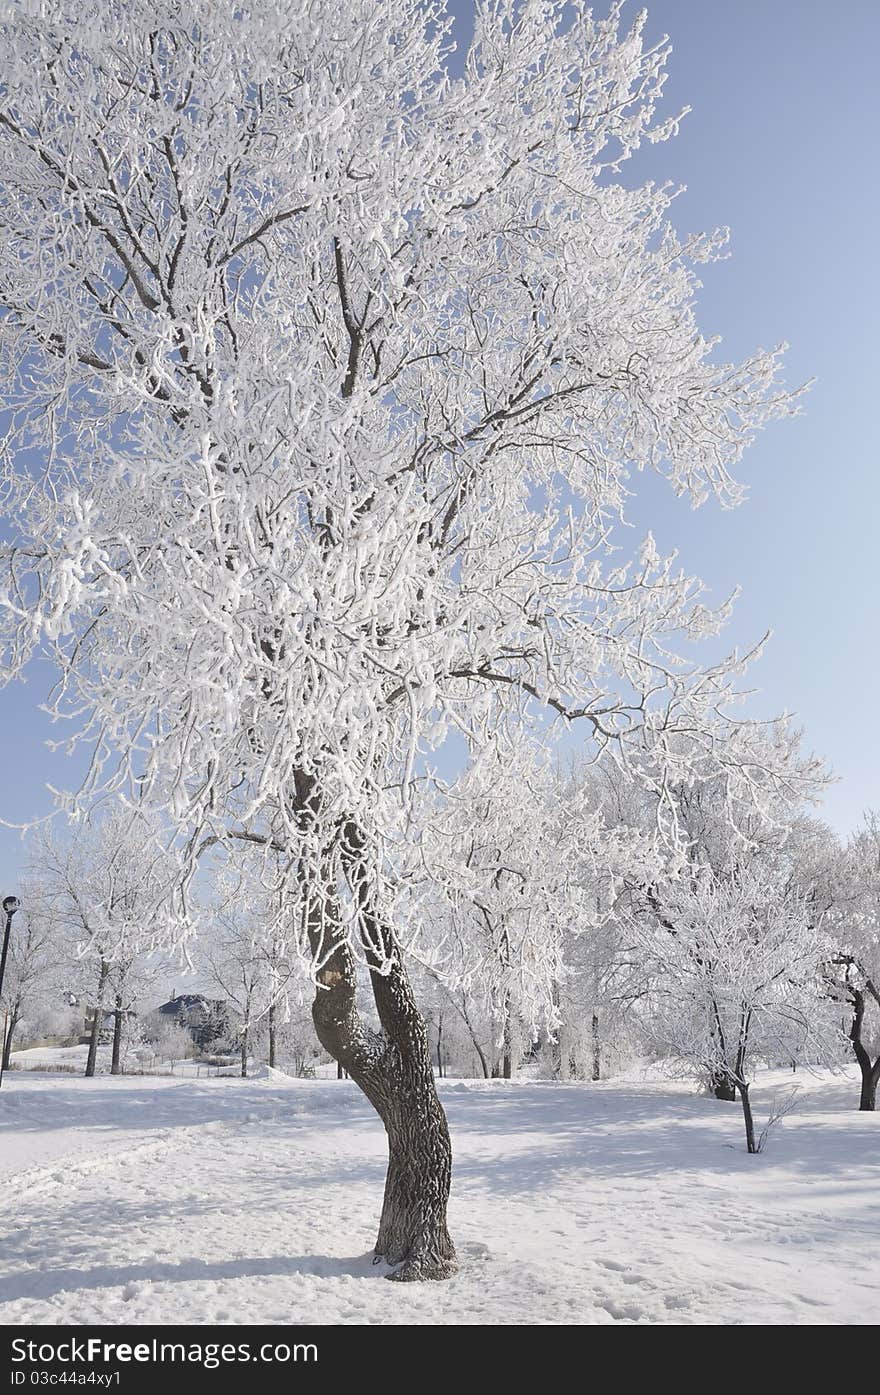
{"points": [[500, 851], [238, 968], [723, 833], [288, 1041], [734, 971], [530, 862], [335, 369], [31, 983], [248, 958], [103, 891], [617, 847], [171, 1041], [851, 890], [598, 1000]]}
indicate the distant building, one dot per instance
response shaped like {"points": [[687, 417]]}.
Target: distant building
{"points": [[206, 1019]]}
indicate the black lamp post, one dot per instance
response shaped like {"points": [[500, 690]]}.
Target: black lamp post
{"points": [[10, 905]]}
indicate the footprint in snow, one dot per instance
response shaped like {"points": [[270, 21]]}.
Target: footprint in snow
{"points": [[472, 1249]]}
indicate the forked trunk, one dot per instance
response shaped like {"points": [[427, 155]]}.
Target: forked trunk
{"points": [[481, 1056], [393, 1069]]}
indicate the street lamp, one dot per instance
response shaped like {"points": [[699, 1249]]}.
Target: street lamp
{"points": [[10, 905]]}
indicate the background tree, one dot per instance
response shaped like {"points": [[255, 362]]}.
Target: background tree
{"points": [[134, 980], [296, 1050], [851, 892], [168, 1039], [719, 832], [104, 893], [337, 369], [238, 968], [499, 855], [735, 974], [32, 979]]}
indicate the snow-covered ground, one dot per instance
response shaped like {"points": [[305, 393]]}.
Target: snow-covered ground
{"points": [[71, 1060], [133, 1200]]}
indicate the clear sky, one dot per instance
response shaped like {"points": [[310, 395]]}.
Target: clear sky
{"points": [[782, 147]]}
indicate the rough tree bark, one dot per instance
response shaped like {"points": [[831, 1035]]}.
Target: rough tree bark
{"points": [[393, 1069]]}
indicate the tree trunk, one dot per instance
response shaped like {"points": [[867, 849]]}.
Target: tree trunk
{"points": [[116, 1057], [597, 1055], [393, 1069], [92, 1058], [244, 1053], [14, 1019], [555, 1042], [465, 1017], [394, 1072], [507, 1058], [747, 1116], [870, 1069], [272, 1035], [868, 1093], [412, 1229], [440, 1045]]}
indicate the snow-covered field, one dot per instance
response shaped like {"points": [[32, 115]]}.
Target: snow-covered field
{"points": [[71, 1060], [222, 1201]]}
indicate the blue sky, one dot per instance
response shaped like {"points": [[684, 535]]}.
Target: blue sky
{"points": [[782, 147]]}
